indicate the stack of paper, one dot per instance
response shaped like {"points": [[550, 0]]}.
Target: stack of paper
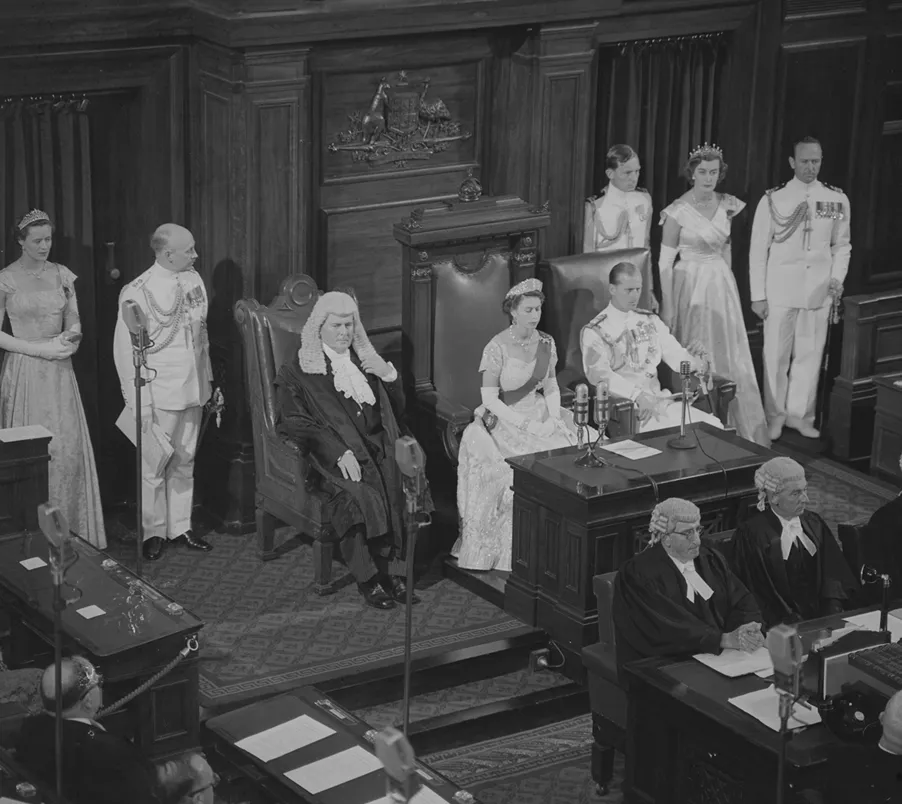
{"points": [[284, 738], [735, 663], [870, 621], [764, 705]]}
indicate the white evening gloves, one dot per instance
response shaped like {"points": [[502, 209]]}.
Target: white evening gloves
{"points": [[665, 271]]}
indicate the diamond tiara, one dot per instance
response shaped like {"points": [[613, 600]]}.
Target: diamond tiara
{"points": [[526, 286], [33, 217], [704, 149]]}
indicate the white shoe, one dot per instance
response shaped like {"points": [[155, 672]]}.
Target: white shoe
{"points": [[802, 427], [775, 429]]}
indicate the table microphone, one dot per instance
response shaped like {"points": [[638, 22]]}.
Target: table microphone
{"points": [[400, 765], [681, 442], [602, 404], [581, 413], [56, 530], [785, 648]]}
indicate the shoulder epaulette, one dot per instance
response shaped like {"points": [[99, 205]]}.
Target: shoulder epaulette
{"points": [[643, 312], [774, 189], [591, 199], [643, 191], [831, 187]]}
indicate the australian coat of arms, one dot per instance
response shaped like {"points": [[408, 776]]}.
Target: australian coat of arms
{"points": [[401, 124]]}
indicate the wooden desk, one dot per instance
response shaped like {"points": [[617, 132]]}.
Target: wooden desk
{"points": [[686, 743], [24, 461], [128, 644], [222, 732], [571, 523], [887, 445]]}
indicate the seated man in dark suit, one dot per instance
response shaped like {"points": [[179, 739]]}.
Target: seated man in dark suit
{"points": [[679, 596], [340, 403], [98, 767], [188, 781], [881, 541], [787, 556]]}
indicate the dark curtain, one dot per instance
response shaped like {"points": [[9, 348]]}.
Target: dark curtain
{"points": [[661, 97], [45, 163]]}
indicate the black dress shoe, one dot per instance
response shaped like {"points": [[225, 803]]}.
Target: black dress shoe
{"points": [[193, 542], [375, 595], [153, 548], [398, 588]]}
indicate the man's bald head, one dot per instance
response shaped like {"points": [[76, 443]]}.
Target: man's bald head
{"points": [[891, 718], [78, 678], [173, 246]]}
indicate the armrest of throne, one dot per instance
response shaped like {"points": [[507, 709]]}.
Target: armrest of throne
{"points": [[450, 418]]}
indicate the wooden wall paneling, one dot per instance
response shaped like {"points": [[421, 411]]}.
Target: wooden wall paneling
{"points": [[561, 58], [435, 121]]}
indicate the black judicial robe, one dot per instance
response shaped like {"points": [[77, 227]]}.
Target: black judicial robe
{"points": [[325, 424], [801, 587], [858, 774], [98, 767], [653, 617]]}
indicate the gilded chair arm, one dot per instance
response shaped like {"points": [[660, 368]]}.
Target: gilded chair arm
{"points": [[622, 419], [722, 394], [451, 417]]}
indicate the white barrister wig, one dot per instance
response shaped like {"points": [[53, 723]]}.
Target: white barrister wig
{"points": [[668, 514], [773, 475], [311, 357]]}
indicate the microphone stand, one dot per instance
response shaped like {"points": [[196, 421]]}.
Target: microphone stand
{"points": [[591, 457], [681, 442], [139, 360], [786, 703], [56, 571], [415, 519]]}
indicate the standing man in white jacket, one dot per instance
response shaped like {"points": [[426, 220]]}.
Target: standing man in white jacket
{"points": [[798, 260], [172, 295]]}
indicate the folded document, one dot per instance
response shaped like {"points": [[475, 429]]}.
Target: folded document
{"points": [[156, 450], [735, 663], [764, 705]]}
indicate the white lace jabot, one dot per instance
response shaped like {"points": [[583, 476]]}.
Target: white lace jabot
{"points": [[792, 533], [349, 380]]}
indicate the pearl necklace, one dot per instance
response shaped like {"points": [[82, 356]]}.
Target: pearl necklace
{"points": [[35, 272], [703, 203], [523, 343]]}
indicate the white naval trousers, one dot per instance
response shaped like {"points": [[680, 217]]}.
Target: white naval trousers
{"points": [[167, 498], [793, 351]]}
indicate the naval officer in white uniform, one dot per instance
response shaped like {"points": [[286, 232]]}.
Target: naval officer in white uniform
{"points": [[624, 345], [798, 260], [172, 296]]}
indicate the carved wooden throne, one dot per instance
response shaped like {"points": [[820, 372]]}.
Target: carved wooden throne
{"points": [[460, 258], [288, 488]]}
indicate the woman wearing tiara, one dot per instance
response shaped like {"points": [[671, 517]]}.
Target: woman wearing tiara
{"points": [[699, 298], [37, 383], [520, 414]]}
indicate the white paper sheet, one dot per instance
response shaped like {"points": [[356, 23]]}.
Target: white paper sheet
{"points": [[424, 795], [631, 449], [735, 663], [33, 563], [764, 705], [89, 612], [284, 738], [335, 770], [870, 621]]}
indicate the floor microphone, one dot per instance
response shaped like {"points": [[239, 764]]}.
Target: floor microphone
{"points": [[135, 321]]}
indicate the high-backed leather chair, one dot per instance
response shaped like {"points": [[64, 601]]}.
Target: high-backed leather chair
{"points": [[607, 697], [287, 487], [576, 290]]}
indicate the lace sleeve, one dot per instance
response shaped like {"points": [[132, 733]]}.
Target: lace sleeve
{"points": [[7, 283], [732, 205], [492, 359], [671, 211]]}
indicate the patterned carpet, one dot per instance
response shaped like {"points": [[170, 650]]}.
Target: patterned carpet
{"points": [[268, 631], [548, 765]]}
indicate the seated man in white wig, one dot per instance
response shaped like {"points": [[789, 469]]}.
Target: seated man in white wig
{"points": [[623, 345], [787, 556], [340, 402], [679, 596]]}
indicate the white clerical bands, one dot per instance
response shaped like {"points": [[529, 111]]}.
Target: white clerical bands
{"points": [[792, 533], [695, 584]]}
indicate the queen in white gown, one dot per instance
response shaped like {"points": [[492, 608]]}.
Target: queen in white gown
{"points": [[520, 414], [700, 300]]}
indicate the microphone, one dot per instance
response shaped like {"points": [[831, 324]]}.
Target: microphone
{"points": [[681, 442], [411, 461], [581, 406], [135, 321], [785, 648], [56, 530], [602, 401], [399, 762]]}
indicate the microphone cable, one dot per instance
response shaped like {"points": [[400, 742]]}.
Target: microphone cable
{"points": [[726, 479]]}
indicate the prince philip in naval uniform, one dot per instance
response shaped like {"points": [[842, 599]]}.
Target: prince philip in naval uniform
{"points": [[172, 296], [798, 260]]}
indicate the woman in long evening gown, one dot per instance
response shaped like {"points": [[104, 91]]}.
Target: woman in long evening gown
{"points": [[700, 300], [521, 414], [37, 383]]}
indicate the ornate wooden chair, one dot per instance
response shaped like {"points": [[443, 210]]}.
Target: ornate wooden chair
{"points": [[576, 290], [287, 488], [459, 261]]}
